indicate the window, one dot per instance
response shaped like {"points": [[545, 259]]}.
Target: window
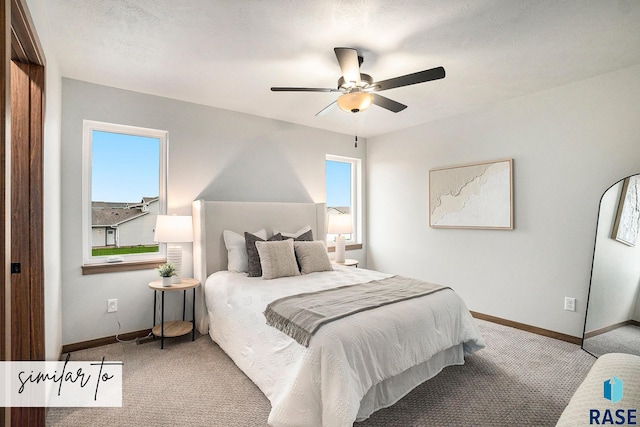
{"points": [[124, 189], [343, 193]]}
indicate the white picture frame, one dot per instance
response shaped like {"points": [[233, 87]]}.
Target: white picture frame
{"points": [[627, 223], [477, 195]]}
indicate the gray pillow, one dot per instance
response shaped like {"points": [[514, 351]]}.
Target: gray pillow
{"points": [[253, 258], [277, 259], [304, 237], [312, 256], [304, 234]]}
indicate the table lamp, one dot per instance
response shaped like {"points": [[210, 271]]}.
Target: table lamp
{"points": [[172, 229], [340, 224]]}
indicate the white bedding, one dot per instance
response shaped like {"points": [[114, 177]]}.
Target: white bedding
{"points": [[353, 366]]}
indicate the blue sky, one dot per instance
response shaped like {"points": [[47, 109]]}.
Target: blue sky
{"points": [[338, 183], [125, 168]]}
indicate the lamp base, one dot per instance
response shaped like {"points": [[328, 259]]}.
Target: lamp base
{"points": [[339, 249], [174, 257]]}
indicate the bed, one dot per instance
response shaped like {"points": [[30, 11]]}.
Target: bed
{"points": [[351, 367]]}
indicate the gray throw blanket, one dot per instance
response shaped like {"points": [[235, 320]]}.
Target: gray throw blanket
{"points": [[300, 316]]}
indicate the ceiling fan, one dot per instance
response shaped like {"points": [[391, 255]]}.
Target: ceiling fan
{"points": [[358, 89]]}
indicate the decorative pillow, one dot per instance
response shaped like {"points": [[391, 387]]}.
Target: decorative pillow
{"points": [[253, 258], [277, 259], [237, 249], [312, 256], [304, 234]]}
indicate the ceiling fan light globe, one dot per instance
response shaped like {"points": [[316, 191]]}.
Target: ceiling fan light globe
{"points": [[355, 102]]}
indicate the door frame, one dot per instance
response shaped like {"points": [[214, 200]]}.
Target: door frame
{"points": [[21, 43]]}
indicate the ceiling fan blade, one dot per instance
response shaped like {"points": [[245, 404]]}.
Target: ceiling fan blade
{"points": [[303, 89], [349, 63], [326, 110], [387, 103], [411, 79]]}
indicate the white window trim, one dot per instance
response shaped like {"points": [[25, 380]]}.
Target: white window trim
{"points": [[88, 127], [356, 197]]}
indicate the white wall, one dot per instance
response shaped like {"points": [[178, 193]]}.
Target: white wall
{"points": [[615, 278], [213, 154], [52, 191], [636, 313], [569, 145], [138, 231]]}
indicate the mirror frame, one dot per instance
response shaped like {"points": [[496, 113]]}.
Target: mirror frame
{"points": [[593, 258]]}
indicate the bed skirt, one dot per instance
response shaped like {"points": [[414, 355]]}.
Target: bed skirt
{"points": [[389, 391]]}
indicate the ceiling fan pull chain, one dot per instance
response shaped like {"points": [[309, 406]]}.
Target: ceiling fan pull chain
{"points": [[356, 133]]}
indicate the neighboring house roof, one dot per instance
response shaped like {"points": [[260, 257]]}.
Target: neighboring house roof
{"points": [[149, 199], [145, 201], [112, 214], [109, 204], [333, 210], [101, 217]]}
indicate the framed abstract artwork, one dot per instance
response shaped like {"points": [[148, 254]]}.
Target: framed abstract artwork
{"points": [[627, 223], [478, 195]]}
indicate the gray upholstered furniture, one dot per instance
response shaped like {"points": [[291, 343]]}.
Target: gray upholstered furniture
{"points": [[589, 406]]}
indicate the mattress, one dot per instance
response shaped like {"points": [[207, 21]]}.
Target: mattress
{"points": [[353, 366]]}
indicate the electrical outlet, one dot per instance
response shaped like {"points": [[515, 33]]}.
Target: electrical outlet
{"points": [[112, 305], [569, 304]]}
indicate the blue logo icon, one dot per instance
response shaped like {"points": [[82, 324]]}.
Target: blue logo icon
{"points": [[613, 389]]}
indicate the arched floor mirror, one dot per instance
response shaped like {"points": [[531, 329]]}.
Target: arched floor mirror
{"points": [[612, 323]]}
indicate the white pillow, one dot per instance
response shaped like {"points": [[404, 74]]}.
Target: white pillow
{"points": [[277, 259], [298, 233], [237, 250], [312, 256]]}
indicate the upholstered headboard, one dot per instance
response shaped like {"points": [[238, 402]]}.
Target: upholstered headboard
{"points": [[210, 219]]}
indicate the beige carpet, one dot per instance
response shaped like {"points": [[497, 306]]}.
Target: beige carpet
{"points": [[625, 339], [519, 379]]}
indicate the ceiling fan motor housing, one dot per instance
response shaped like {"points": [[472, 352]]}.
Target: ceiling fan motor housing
{"points": [[365, 82]]}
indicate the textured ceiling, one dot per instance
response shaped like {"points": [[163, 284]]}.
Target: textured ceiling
{"points": [[228, 53]]}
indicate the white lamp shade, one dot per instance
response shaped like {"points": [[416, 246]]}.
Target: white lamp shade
{"points": [[340, 224], [173, 229]]}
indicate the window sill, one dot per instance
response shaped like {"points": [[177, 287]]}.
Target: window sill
{"points": [[120, 266], [349, 247]]}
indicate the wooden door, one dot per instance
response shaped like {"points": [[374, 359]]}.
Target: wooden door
{"points": [[27, 284], [27, 264]]}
